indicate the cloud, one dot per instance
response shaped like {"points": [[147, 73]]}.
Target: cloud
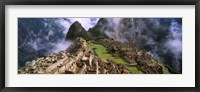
{"points": [[146, 32], [174, 44], [66, 24], [60, 45], [57, 28], [63, 25], [85, 22]]}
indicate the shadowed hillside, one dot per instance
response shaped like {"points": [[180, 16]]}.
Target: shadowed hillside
{"points": [[112, 46]]}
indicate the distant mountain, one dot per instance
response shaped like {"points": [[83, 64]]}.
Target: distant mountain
{"points": [[78, 59], [36, 37], [142, 45], [82, 58], [160, 37], [76, 30]]}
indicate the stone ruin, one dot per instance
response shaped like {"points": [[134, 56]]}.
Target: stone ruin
{"points": [[135, 57], [77, 59]]}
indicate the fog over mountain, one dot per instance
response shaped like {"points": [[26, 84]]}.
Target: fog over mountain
{"points": [[41, 36], [160, 37]]}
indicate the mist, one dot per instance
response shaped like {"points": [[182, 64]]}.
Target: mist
{"points": [[174, 43], [160, 37], [42, 36]]}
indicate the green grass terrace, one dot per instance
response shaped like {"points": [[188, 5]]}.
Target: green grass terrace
{"points": [[102, 52]]}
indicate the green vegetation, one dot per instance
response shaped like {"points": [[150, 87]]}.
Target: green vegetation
{"points": [[101, 51], [96, 33], [164, 69], [76, 30], [134, 70]]}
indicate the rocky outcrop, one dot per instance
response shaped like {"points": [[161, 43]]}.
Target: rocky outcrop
{"points": [[134, 56], [81, 61], [150, 34], [76, 30]]}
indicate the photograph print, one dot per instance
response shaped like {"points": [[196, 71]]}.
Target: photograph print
{"points": [[99, 45]]}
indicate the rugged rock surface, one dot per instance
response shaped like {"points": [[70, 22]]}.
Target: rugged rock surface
{"points": [[78, 59], [153, 35], [76, 30], [134, 56]]}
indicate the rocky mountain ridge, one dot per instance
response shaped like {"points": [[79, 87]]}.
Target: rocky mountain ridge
{"points": [[80, 61], [80, 58]]}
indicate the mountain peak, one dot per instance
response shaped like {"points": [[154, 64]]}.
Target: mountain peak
{"points": [[76, 30]]}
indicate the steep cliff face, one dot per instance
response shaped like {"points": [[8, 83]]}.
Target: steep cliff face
{"points": [[159, 37], [114, 46], [36, 37], [84, 57], [76, 30]]}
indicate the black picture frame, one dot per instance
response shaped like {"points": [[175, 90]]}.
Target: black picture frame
{"points": [[99, 2]]}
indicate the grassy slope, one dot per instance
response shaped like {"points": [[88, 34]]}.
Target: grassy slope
{"points": [[102, 53], [165, 70]]}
